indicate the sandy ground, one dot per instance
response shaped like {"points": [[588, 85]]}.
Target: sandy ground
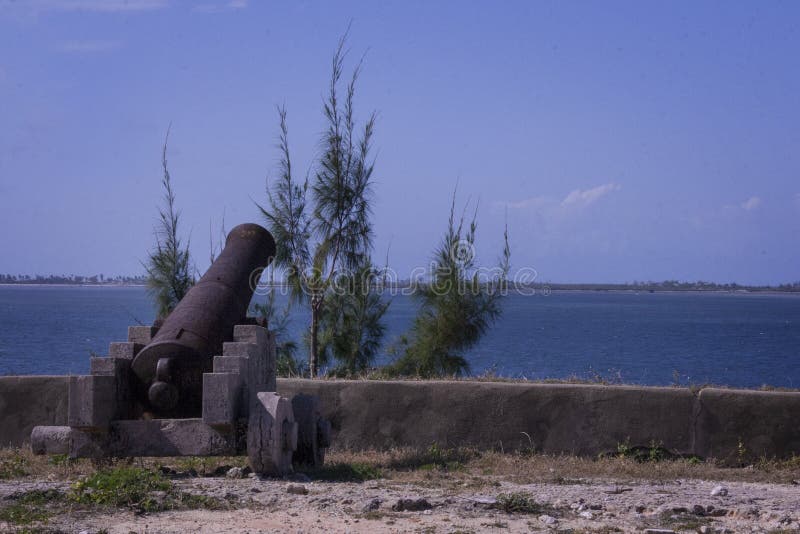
{"points": [[584, 505]]}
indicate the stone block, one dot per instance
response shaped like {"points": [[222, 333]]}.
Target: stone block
{"points": [[262, 356], [127, 350], [242, 348], [232, 364], [119, 368], [222, 398], [271, 434], [156, 437], [141, 334], [92, 401], [249, 333], [112, 366]]}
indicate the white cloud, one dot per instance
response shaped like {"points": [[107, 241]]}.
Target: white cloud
{"points": [[104, 6], [751, 203], [88, 46], [577, 198], [585, 197], [220, 6]]}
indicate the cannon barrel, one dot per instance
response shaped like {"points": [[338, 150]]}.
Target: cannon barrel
{"points": [[169, 370]]}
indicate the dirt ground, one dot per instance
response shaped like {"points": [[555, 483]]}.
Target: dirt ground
{"points": [[434, 491]]}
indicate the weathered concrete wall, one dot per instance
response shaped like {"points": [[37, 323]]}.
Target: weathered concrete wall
{"points": [[580, 419], [27, 401], [762, 423]]}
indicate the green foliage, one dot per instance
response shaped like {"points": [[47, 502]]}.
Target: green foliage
{"points": [[286, 362], [346, 472], [168, 267], [14, 466], [314, 248], [142, 490], [29, 507], [60, 460], [23, 514], [456, 308], [129, 487], [352, 326], [520, 503], [193, 501], [655, 452], [435, 457]]}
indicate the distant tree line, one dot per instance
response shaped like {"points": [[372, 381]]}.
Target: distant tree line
{"points": [[72, 279], [666, 285]]}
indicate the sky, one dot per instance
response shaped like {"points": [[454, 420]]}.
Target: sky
{"points": [[620, 141]]}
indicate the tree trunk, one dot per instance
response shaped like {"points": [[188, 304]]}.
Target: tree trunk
{"points": [[313, 355]]}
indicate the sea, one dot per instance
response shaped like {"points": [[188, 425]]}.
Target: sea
{"points": [[663, 338]]}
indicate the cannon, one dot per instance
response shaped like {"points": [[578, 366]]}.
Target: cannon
{"points": [[203, 383], [170, 368]]}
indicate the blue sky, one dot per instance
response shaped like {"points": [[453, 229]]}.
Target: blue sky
{"points": [[624, 141]]}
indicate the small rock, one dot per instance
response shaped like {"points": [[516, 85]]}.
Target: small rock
{"points": [[679, 509], [595, 507], [548, 519], [411, 505], [235, 472], [640, 508], [586, 515], [698, 510], [719, 491], [296, 489], [372, 505], [487, 502]]}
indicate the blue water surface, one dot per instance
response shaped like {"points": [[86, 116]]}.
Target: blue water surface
{"points": [[744, 340]]}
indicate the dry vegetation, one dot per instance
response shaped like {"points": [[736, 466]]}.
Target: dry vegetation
{"points": [[507, 492]]}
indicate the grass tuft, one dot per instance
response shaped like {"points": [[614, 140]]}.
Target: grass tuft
{"points": [[346, 472], [30, 507], [14, 465], [129, 487], [520, 503]]}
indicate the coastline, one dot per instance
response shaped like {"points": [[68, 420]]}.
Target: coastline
{"points": [[72, 285], [537, 291]]}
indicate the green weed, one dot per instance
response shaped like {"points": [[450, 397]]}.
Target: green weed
{"points": [[346, 472], [520, 503], [129, 487]]}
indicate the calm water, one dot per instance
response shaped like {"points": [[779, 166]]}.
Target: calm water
{"points": [[738, 340]]}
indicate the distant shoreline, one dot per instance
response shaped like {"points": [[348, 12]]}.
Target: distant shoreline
{"points": [[535, 291], [69, 285]]}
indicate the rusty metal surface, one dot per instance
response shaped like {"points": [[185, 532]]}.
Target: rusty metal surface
{"points": [[169, 370]]}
